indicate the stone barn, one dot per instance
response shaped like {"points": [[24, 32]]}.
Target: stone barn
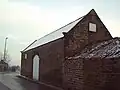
{"points": [[59, 58]]}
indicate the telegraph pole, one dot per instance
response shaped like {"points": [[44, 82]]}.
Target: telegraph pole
{"points": [[4, 57]]}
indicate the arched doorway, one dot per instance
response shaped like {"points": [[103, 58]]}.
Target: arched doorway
{"points": [[36, 67]]}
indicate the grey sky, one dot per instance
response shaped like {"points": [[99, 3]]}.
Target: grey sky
{"points": [[23, 21]]}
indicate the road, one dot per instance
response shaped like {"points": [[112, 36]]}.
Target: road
{"points": [[3, 87], [14, 83]]}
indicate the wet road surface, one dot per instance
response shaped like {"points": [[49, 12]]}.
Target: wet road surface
{"points": [[3, 87], [16, 83]]}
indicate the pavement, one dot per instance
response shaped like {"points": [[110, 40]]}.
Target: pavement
{"points": [[9, 81]]}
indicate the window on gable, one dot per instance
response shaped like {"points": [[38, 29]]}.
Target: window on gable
{"points": [[25, 56], [92, 27]]}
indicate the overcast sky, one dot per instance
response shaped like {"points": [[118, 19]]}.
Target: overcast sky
{"points": [[23, 21]]}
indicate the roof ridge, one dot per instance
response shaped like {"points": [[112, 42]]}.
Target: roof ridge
{"points": [[60, 28]]}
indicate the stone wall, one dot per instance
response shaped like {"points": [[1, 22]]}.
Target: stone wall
{"points": [[94, 79], [76, 39], [102, 74], [101, 33], [92, 74], [80, 36], [73, 74], [74, 42]]}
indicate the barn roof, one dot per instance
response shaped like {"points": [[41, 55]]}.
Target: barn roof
{"points": [[53, 35], [105, 49]]}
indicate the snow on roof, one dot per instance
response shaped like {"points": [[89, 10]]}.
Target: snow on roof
{"points": [[105, 49], [53, 35]]}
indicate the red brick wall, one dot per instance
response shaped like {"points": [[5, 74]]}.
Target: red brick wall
{"points": [[51, 57]]}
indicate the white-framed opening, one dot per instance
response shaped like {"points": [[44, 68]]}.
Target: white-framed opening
{"points": [[25, 56], [36, 61], [92, 27]]}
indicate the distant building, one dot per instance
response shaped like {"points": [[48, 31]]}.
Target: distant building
{"points": [[79, 56], [15, 68], [3, 66]]}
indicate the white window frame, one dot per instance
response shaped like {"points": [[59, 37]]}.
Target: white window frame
{"points": [[92, 27], [26, 56]]}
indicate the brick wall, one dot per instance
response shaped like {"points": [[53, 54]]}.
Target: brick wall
{"points": [[92, 74], [101, 33], [76, 39], [73, 74], [51, 57], [80, 36], [102, 74]]}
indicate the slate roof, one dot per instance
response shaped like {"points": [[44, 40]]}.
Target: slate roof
{"points": [[53, 35], [105, 49]]}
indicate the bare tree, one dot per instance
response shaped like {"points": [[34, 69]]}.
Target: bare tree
{"points": [[1, 56], [7, 58]]}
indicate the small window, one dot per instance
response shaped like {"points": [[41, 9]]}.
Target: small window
{"points": [[92, 27], [25, 56]]}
